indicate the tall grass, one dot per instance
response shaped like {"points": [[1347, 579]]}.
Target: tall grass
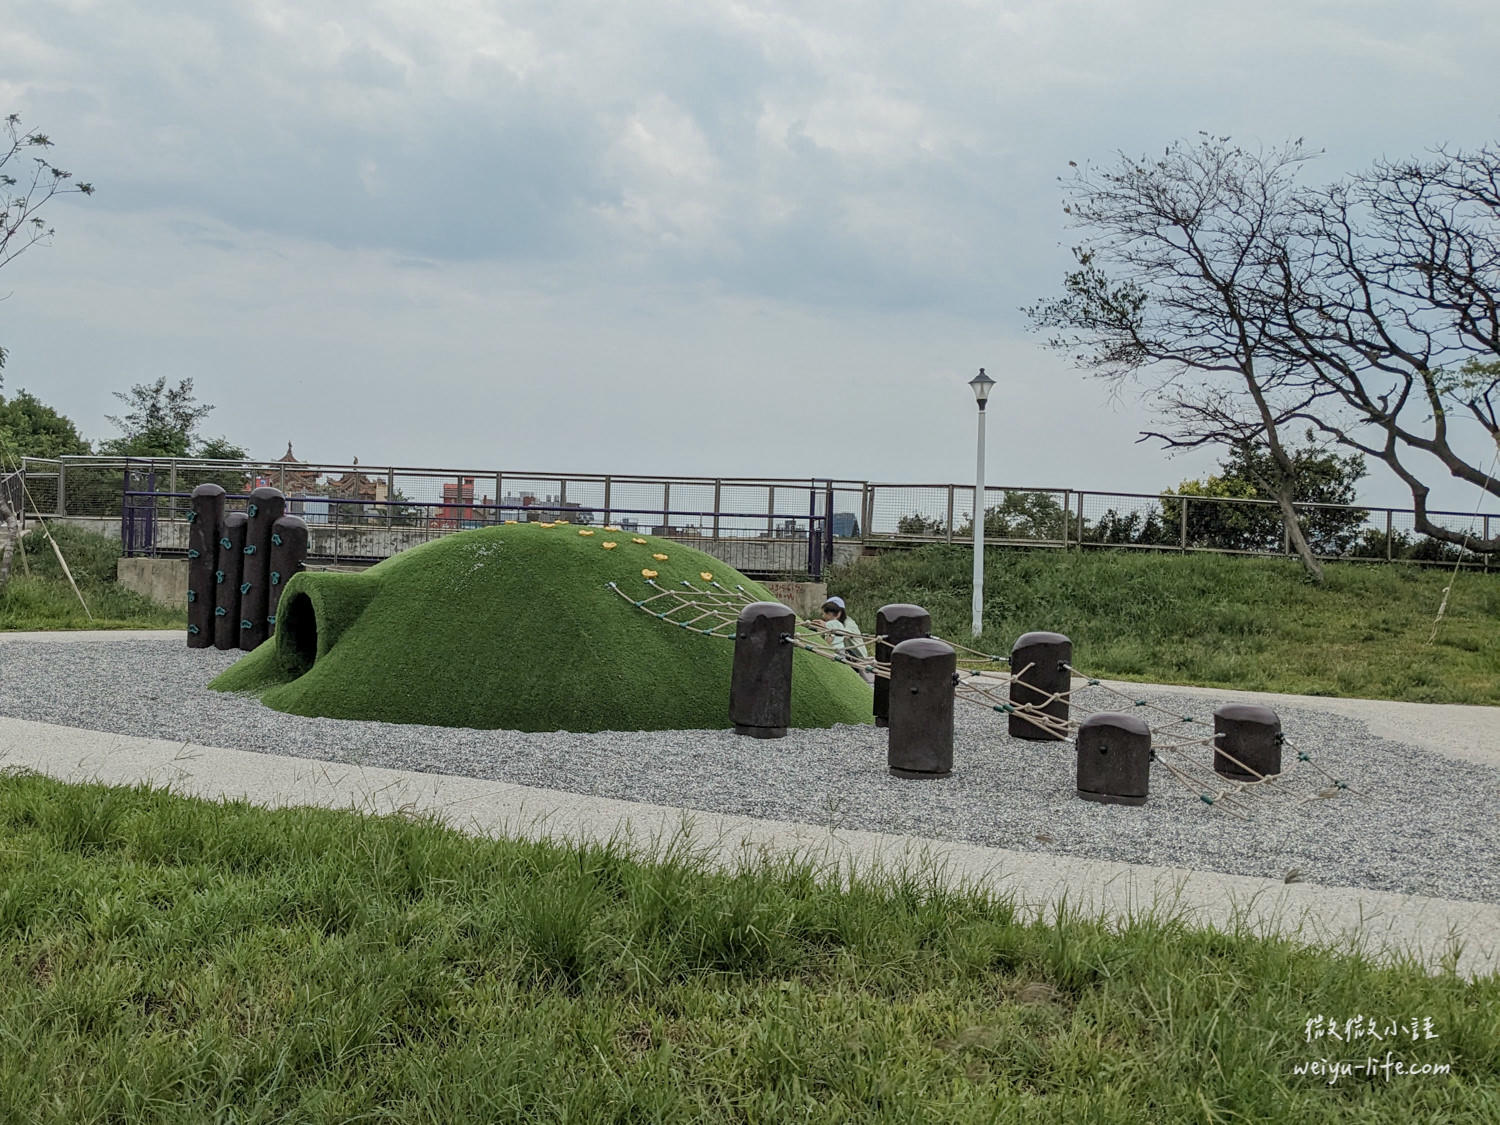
{"points": [[1215, 620], [166, 959], [45, 600]]}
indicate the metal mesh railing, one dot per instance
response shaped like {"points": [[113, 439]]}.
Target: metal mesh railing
{"points": [[437, 501]]}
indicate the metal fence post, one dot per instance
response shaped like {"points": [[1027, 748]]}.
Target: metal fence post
{"points": [[607, 488], [812, 533], [1184, 524], [828, 525], [62, 487], [1080, 521], [949, 523], [770, 511], [1388, 529], [666, 507], [718, 505]]}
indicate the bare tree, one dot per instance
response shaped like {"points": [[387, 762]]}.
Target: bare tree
{"points": [[1178, 282], [25, 191], [1391, 301]]}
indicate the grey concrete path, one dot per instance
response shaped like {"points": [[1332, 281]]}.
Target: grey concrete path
{"points": [[63, 635]]}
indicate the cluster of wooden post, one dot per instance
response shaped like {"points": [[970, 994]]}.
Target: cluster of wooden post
{"points": [[916, 705], [238, 564]]}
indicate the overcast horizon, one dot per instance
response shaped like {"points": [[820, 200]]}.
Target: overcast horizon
{"points": [[721, 239]]}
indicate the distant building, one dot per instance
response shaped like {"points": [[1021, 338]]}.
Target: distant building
{"points": [[458, 508], [845, 525], [291, 481]]}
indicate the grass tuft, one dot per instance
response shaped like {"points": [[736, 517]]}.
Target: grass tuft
{"points": [[170, 959]]}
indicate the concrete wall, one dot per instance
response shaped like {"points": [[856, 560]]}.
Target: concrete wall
{"points": [[164, 581], [107, 526], [805, 599]]}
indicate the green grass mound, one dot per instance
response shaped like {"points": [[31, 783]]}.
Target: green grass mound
{"points": [[515, 627]]}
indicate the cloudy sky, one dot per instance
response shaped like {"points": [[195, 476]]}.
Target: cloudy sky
{"points": [[705, 238]]}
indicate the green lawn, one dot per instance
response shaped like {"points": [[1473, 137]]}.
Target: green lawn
{"points": [[167, 959], [44, 600], [1214, 620]]}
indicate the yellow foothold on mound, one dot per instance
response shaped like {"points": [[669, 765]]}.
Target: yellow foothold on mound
{"points": [[648, 574], [706, 575], [609, 545], [610, 527], [639, 540], [546, 525], [510, 521], [659, 557], [585, 531]]}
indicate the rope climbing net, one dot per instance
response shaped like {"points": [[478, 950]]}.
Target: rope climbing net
{"points": [[986, 680]]}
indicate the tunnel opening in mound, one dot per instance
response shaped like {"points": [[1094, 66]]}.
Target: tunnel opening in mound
{"points": [[300, 622]]}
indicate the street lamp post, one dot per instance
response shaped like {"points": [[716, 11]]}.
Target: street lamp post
{"points": [[981, 385]]}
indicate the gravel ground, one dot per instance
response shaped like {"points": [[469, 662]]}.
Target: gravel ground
{"points": [[1420, 824]]}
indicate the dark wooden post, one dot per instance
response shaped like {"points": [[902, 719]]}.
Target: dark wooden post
{"points": [[265, 507], [894, 624], [760, 686], [1249, 737], [288, 550], [1114, 759], [205, 517], [1039, 663], [227, 579], [923, 674]]}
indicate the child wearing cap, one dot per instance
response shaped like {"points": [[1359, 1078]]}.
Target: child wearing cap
{"points": [[844, 633]]}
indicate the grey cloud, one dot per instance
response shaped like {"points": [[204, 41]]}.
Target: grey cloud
{"points": [[373, 131]]}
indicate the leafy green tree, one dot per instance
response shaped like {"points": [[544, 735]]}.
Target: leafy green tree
{"points": [[31, 428], [918, 524], [25, 191], [1318, 476], [1020, 515], [162, 422], [1129, 527]]}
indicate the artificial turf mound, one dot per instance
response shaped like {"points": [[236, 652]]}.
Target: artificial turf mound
{"points": [[514, 627]]}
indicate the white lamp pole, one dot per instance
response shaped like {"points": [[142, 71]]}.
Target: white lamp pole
{"points": [[981, 385]]}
